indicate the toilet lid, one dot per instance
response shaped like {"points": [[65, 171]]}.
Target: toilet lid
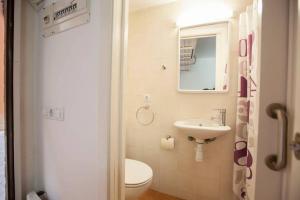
{"points": [[137, 172]]}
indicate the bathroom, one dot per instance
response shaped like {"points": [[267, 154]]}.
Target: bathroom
{"points": [[156, 98], [152, 100]]}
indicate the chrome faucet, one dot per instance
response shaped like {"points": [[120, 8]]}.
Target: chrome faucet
{"points": [[220, 118]]}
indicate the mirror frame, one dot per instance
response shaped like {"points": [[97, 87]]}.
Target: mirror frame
{"points": [[198, 31]]}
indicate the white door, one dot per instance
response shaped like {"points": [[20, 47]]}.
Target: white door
{"points": [[292, 175]]}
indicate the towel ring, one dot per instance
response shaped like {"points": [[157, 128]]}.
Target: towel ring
{"points": [[138, 111]]}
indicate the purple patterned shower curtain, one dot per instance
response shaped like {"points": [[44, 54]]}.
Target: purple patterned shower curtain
{"points": [[244, 146]]}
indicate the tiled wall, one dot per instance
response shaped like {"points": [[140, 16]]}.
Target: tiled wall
{"points": [[152, 43]]}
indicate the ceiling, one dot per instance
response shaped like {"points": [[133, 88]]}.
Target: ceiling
{"points": [[135, 5], [236, 5]]}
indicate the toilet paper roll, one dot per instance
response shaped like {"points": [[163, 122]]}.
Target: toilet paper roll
{"points": [[167, 143]]}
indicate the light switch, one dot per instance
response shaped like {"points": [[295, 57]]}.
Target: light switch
{"points": [[54, 113]]}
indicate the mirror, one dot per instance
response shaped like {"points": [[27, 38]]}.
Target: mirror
{"points": [[203, 59]]}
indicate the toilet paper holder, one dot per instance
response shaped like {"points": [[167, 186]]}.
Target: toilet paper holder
{"points": [[168, 137], [167, 143]]}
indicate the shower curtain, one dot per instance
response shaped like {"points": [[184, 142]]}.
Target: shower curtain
{"points": [[244, 146]]}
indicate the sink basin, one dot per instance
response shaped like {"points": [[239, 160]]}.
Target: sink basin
{"points": [[201, 129]]}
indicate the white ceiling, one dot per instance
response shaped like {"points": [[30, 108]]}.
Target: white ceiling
{"points": [[135, 5], [236, 5]]}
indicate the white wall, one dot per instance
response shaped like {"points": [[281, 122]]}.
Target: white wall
{"points": [[72, 70]]}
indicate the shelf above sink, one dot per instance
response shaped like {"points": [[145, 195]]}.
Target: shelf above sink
{"points": [[201, 129]]}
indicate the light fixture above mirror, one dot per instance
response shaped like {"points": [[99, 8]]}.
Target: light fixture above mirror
{"points": [[199, 15]]}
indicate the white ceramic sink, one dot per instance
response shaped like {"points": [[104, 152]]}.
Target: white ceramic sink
{"points": [[201, 129]]}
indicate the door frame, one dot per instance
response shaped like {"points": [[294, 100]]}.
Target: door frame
{"points": [[118, 102], [9, 6], [291, 83], [117, 109]]}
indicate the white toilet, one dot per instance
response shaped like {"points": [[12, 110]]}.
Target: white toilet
{"points": [[138, 178]]}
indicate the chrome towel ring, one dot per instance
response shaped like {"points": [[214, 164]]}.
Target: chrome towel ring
{"points": [[139, 111]]}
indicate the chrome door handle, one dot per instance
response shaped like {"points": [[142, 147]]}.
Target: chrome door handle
{"points": [[278, 162]]}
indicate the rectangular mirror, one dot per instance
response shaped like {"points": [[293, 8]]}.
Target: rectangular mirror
{"points": [[203, 59]]}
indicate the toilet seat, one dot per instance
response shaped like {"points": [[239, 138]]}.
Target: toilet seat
{"points": [[137, 185], [137, 173]]}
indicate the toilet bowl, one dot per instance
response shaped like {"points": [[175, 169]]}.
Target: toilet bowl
{"points": [[138, 178]]}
